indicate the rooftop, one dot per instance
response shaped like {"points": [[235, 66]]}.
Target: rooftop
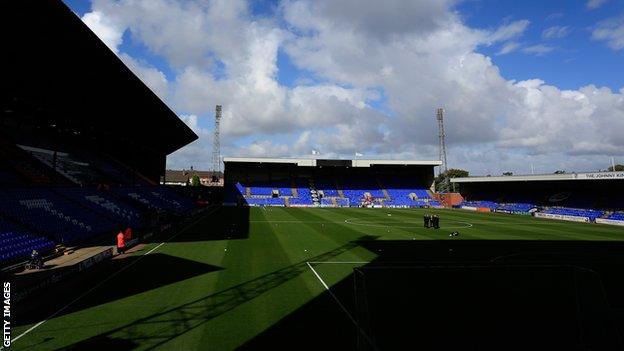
{"points": [[542, 177], [312, 162]]}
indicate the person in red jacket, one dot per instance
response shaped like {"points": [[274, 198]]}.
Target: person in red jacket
{"points": [[121, 243]]}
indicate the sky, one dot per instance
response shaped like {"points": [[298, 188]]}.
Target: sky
{"points": [[523, 83]]}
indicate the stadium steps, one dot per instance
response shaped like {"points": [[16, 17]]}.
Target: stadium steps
{"points": [[247, 191], [27, 166], [386, 195], [38, 154], [313, 191], [287, 201], [383, 190], [339, 189], [293, 188], [334, 203]]}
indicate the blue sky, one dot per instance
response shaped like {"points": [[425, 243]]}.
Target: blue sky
{"points": [[347, 76], [576, 60]]}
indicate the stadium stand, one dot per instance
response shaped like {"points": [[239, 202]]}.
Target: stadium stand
{"points": [[481, 204], [64, 221], [327, 186], [353, 193], [72, 168], [593, 190], [355, 188], [156, 198], [72, 215], [302, 187], [297, 201], [16, 243], [38, 190], [515, 207], [328, 201], [19, 168], [591, 214], [618, 216], [83, 167], [104, 203], [266, 188]]}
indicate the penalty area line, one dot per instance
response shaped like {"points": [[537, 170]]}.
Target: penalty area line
{"points": [[110, 277]]}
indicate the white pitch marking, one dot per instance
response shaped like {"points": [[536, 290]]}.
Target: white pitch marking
{"points": [[108, 278], [323, 282], [340, 304], [388, 224], [339, 262]]}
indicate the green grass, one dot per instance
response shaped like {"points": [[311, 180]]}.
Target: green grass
{"points": [[219, 293]]}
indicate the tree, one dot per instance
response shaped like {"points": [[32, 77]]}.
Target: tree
{"points": [[195, 180], [618, 168], [508, 173], [442, 180], [456, 173]]}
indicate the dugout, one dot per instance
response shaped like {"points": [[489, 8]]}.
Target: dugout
{"points": [[62, 86], [599, 190]]}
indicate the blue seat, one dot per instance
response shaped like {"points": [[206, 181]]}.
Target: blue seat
{"points": [[16, 243]]}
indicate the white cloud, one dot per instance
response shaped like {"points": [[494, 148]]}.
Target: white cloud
{"points": [[611, 31], [594, 4], [538, 49], [151, 76], [508, 48], [509, 31], [443, 69], [395, 17], [184, 32], [110, 30], [407, 57], [555, 32], [107, 29], [263, 148]]}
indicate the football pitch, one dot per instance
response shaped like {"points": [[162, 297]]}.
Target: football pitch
{"points": [[268, 277]]}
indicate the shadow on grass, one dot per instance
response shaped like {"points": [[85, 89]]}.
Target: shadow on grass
{"points": [[468, 295], [484, 308], [170, 324], [461, 294], [320, 324], [155, 270], [219, 223], [103, 343]]}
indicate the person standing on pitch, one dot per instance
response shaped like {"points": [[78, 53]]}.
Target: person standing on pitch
{"points": [[426, 220], [436, 221], [121, 243]]}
